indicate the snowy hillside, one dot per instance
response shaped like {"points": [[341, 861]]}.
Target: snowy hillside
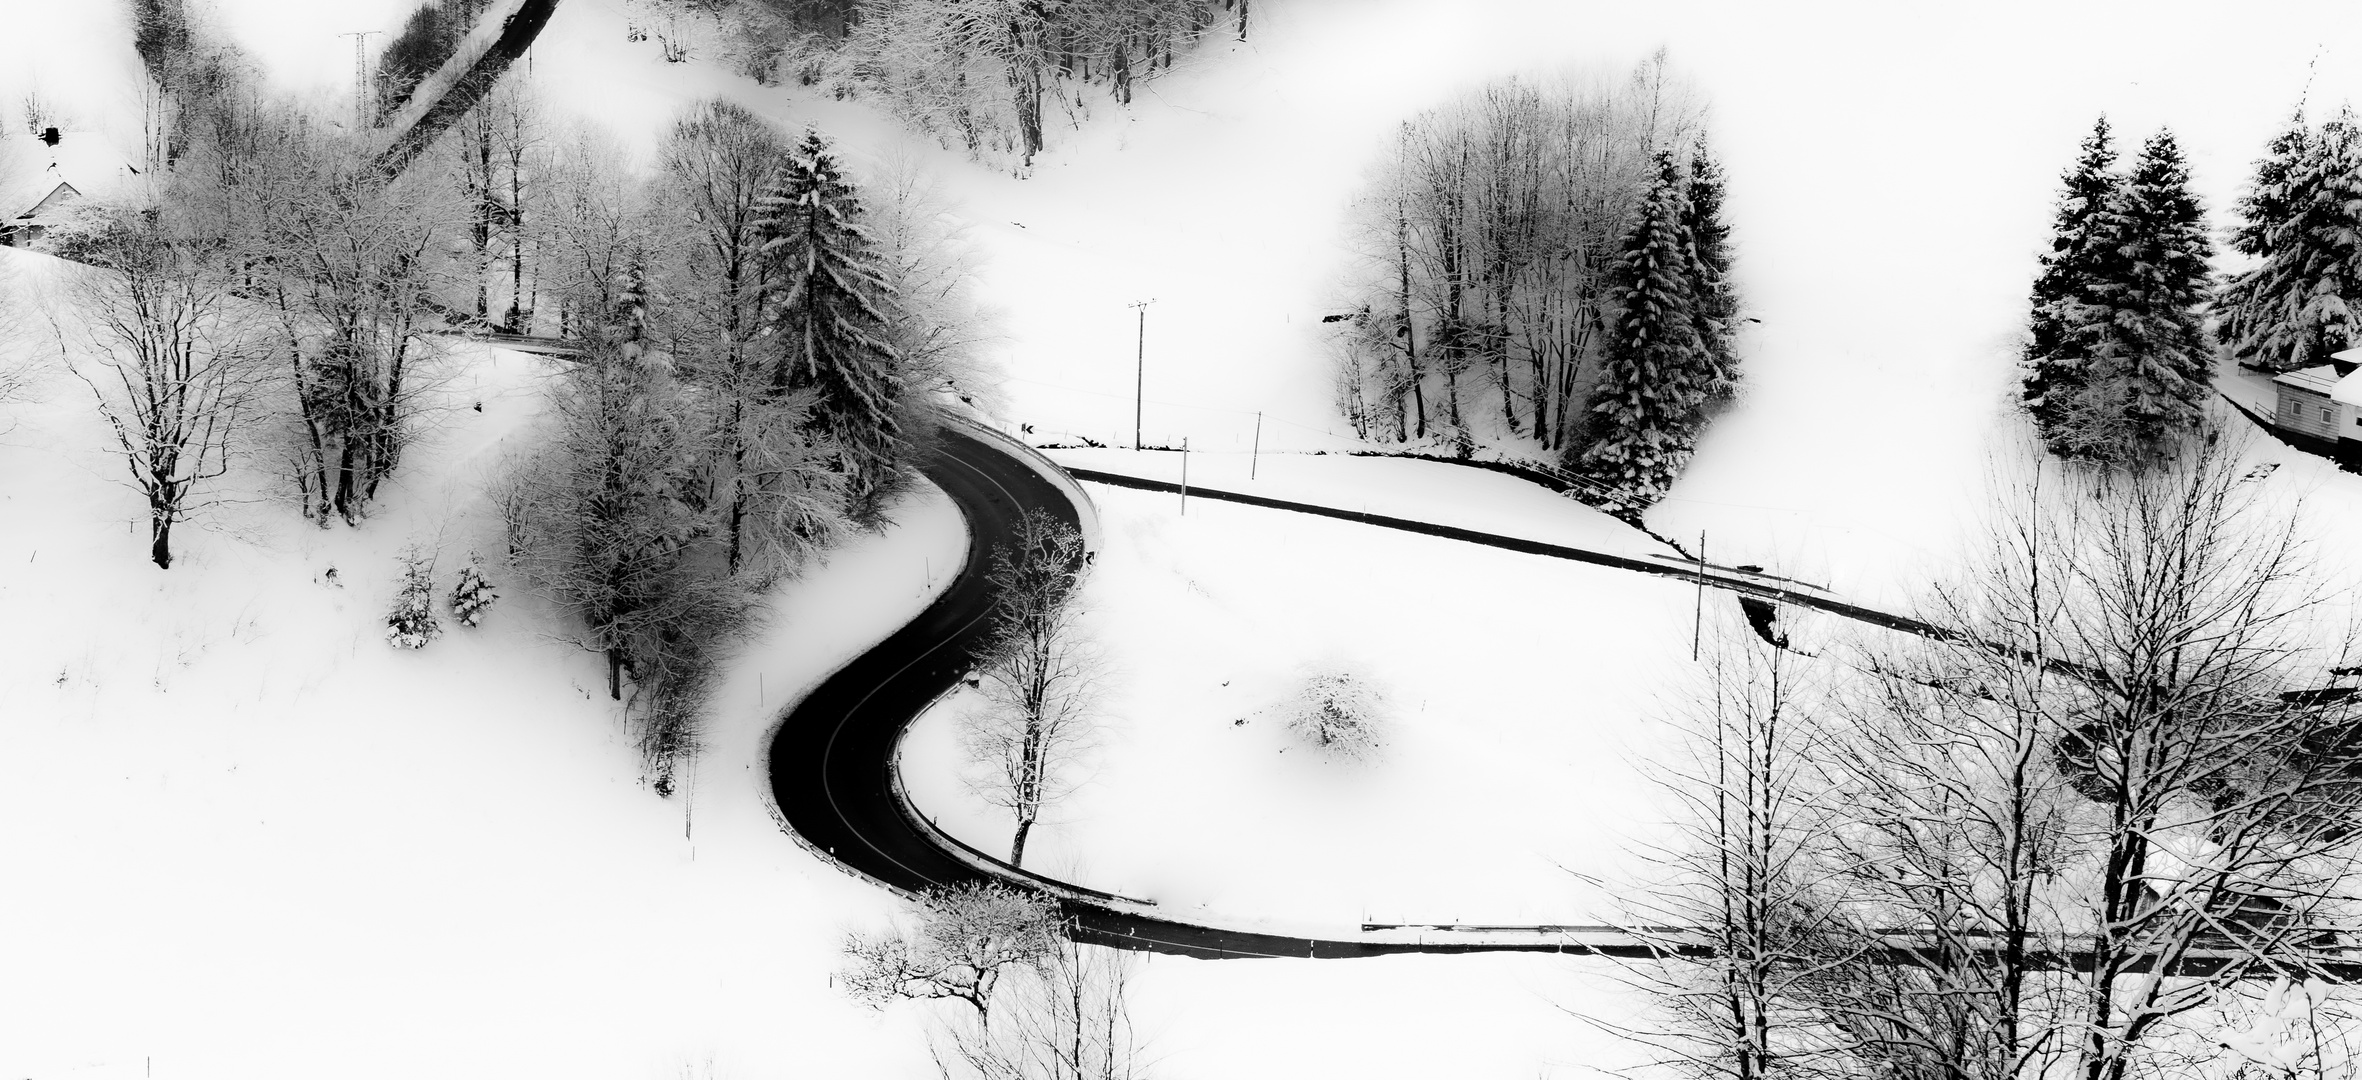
{"points": [[246, 839]]}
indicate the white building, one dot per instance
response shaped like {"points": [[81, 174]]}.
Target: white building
{"points": [[58, 170]]}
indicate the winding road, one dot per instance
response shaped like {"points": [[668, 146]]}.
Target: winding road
{"points": [[831, 758]]}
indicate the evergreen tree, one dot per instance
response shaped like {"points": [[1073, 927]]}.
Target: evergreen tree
{"points": [[411, 623], [1653, 380], [2149, 358], [1717, 300], [472, 594], [2303, 217], [829, 317], [2053, 359]]}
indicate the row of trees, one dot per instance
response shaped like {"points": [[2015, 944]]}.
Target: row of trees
{"points": [[2065, 841], [1546, 265], [2120, 358], [991, 76], [739, 399]]}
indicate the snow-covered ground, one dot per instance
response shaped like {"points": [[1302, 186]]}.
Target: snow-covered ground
{"points": [[1516, 688], [245, 838]]}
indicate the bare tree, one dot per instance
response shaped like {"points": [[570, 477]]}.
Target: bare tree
{"points": [[1039, 679], [938, 328], [1742, 874], [347, 263], [168, 363], [1485, 236], [1067, 1018], [2218, 798], [1041, 1006], [963, 941]]}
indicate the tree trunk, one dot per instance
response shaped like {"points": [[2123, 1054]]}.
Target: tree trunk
{"points": [[1017, 847], [160, 539]]}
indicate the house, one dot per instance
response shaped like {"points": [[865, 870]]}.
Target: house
{"points": [[2322, 403], [60, 170]]}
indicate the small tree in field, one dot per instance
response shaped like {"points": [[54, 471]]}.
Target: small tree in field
{"points": [[472, 594], [172, 371], [966, 938], [411, 623], [1038, 679]]}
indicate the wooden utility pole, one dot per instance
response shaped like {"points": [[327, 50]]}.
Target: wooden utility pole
{"points": [[1140, 376], [1255, 456], [1697, 630], [1184, 476]]}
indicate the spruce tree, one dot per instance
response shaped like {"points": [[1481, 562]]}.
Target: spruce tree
{"points": [[2303, 217], [1717, 300], [2054, 361], [2149, 357], [829, 317], [1643, 416]]}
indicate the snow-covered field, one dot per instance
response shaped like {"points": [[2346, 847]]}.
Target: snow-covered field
{"points": [[244, 838]]}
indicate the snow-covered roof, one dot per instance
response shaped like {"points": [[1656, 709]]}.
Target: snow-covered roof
{"points": [[87, 161], [2349, 389], [2319, 380]]}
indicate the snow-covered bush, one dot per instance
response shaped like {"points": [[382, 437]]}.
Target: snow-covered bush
{"points": [[472, 595], [411, 623], [1338, 710]]}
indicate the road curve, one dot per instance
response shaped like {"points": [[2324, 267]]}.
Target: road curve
{"points": [[831, 758]]}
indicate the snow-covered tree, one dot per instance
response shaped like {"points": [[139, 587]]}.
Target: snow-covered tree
{"points": [[966, 939], [2145, 350], [412, 623], [2303, 218], [173, 371], [1039, 678], [1656, 372], [472, 593], [829, 318], [1717, 295], [2054, 360]]}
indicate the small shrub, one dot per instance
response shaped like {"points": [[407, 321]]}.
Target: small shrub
{"points": [[472, 595], [1339, 711], [411, 624]]}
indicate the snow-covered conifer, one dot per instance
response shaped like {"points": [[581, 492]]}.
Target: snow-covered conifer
{"points": [[472, 594], [2053, 358], [411, 623], [829, 316], [2149, 356], [2303, 217], [1717, 299], [1644, 415]]}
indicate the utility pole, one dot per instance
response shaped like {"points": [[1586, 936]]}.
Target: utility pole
{"points": [[1184, 476], [360, 76], [1140, 376], [1697, 631], [1255, 456]]}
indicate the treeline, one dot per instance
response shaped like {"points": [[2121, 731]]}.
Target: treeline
{"points": [[1546, 267], [992, 76]]}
